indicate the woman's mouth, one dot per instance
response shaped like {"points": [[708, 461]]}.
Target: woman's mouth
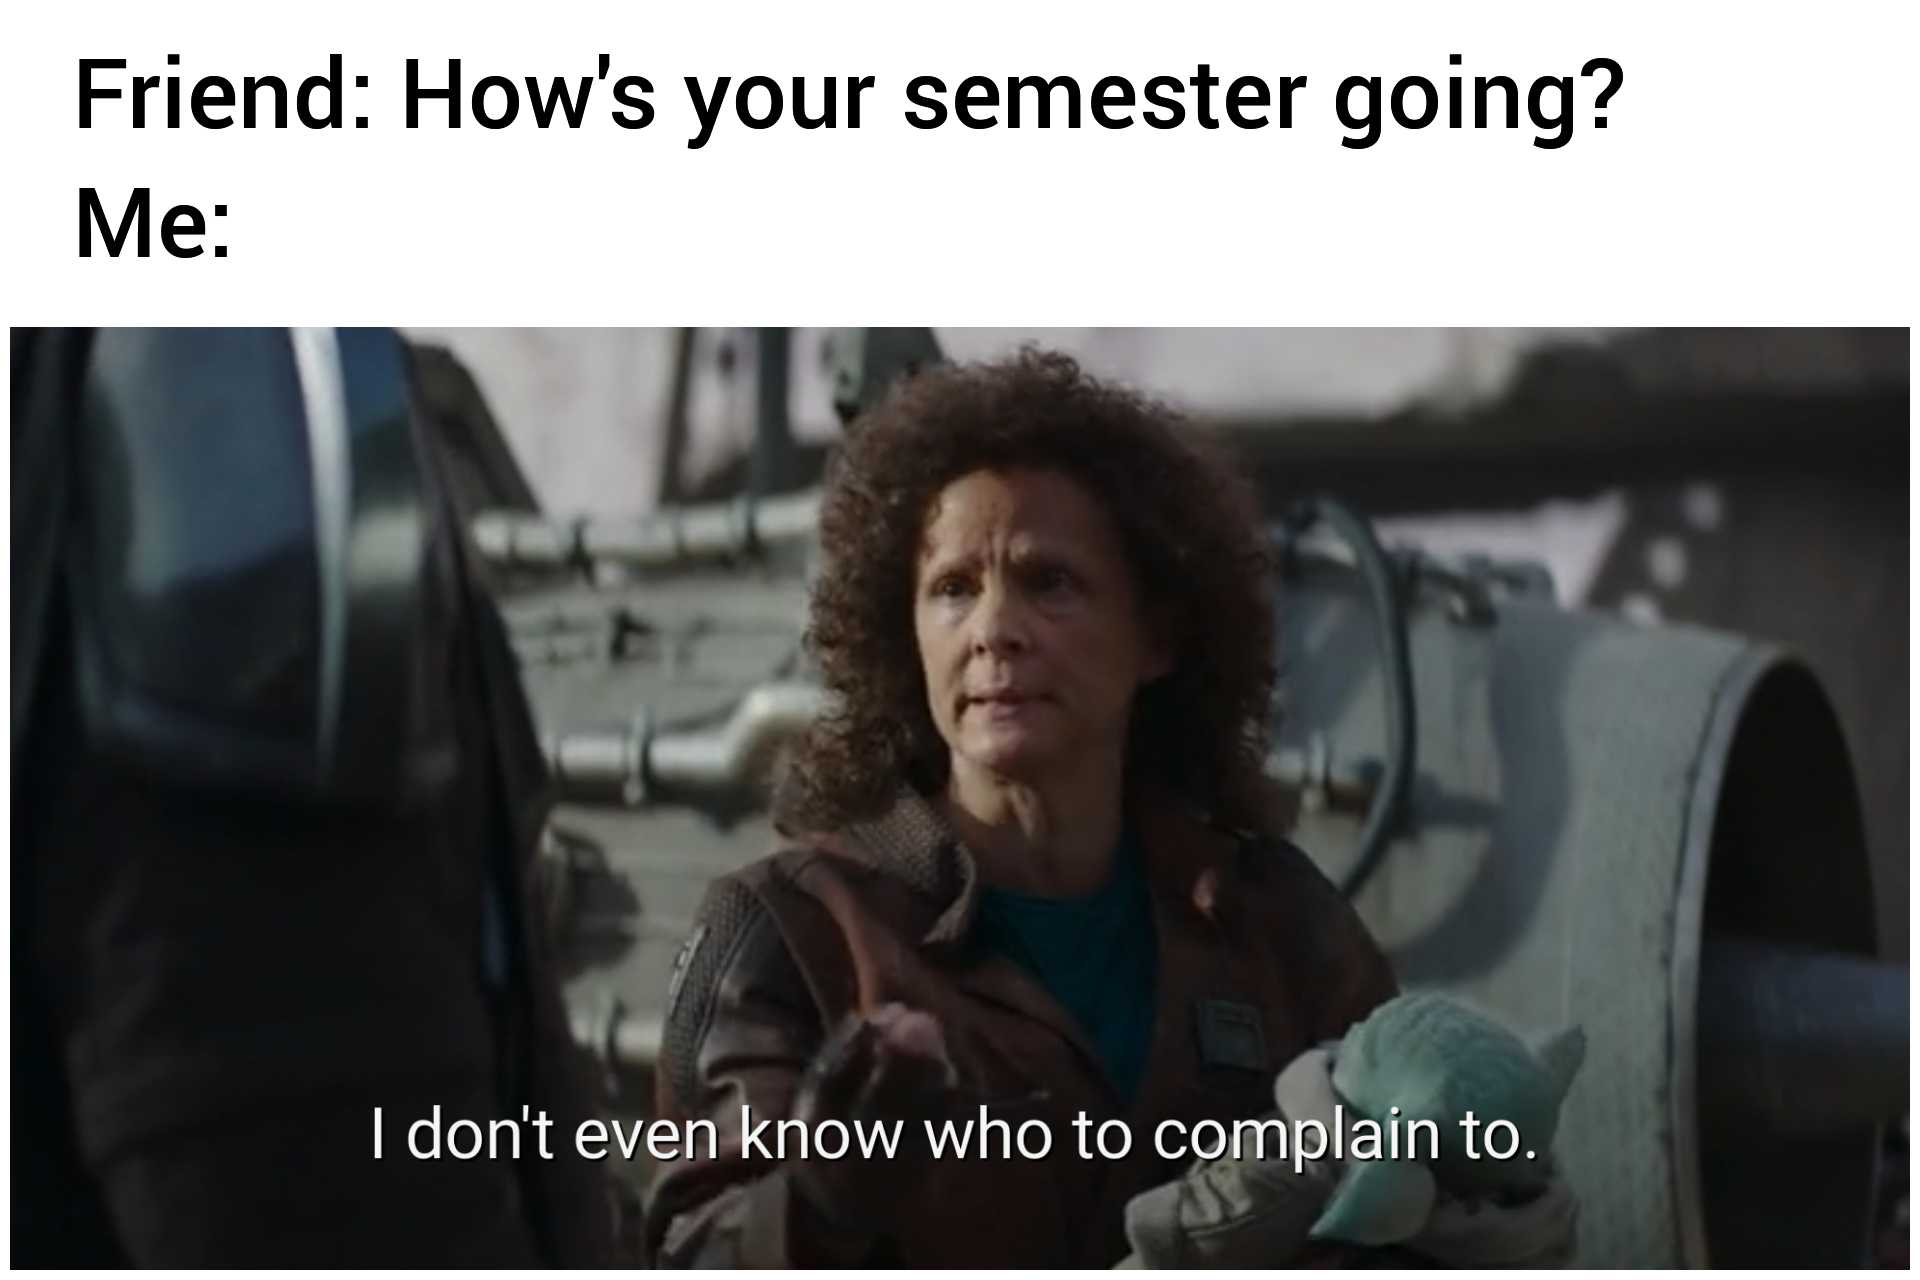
{"points": [[1003, 700]]}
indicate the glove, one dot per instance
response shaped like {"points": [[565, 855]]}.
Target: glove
{"points": [[1260, 1213], [886, 1066], [1242, 1212], [1415, 1213], [1539, 1232], [1429, 1056]]}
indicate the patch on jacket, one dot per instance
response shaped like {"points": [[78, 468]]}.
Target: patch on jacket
{"points": [[1230, 1035]]}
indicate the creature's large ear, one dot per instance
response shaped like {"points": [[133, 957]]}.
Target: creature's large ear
{"points": [[1562, 1053], [1378, 1202]]}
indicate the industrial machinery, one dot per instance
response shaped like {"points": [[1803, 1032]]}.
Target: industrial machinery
{"points": [[1565, 816]]}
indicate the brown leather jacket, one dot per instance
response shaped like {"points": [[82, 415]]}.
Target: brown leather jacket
{"points": [[1259, 959]]}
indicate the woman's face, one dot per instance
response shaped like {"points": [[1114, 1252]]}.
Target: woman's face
{"points": [[1031, 635]]}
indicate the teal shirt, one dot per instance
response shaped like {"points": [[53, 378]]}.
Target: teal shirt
{"points": [[1095, 954]]}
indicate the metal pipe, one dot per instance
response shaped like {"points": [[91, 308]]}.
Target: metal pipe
{"points": [[634, 766], [738, 753], [597, 766], [672, 537], [1800, 1041]]}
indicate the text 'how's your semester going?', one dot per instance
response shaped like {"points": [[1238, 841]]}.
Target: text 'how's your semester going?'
{"points": [[444, 93]]}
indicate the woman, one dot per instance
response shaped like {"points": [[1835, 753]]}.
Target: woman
{"points": [[1034, 868]]}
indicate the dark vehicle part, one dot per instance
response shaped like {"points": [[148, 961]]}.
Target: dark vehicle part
{"points": [[868, 361], [1651, 831]]}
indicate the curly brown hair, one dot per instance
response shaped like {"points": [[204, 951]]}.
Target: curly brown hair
{"points": [[1191, 532]]}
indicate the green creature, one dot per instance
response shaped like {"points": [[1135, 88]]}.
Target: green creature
{"points": [[1437, 1059]]}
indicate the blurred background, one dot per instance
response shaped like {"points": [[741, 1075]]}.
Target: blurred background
{"points": [[1748, 480], [1596, 695]]}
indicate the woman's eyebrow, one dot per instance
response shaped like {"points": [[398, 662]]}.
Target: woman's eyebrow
{"points": [[937, 561], [1046, 552]]}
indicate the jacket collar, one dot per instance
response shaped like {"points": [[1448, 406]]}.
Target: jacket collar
{"points": [[913, 842]]}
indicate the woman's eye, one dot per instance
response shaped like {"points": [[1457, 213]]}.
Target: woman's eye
{"points": [[1051, 580], [950, 587]]}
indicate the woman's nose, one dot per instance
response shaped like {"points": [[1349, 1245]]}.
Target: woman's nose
{"points": [[1000, 623]]}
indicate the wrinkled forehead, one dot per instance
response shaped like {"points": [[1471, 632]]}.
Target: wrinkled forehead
{"points": [[1015, 512]]}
